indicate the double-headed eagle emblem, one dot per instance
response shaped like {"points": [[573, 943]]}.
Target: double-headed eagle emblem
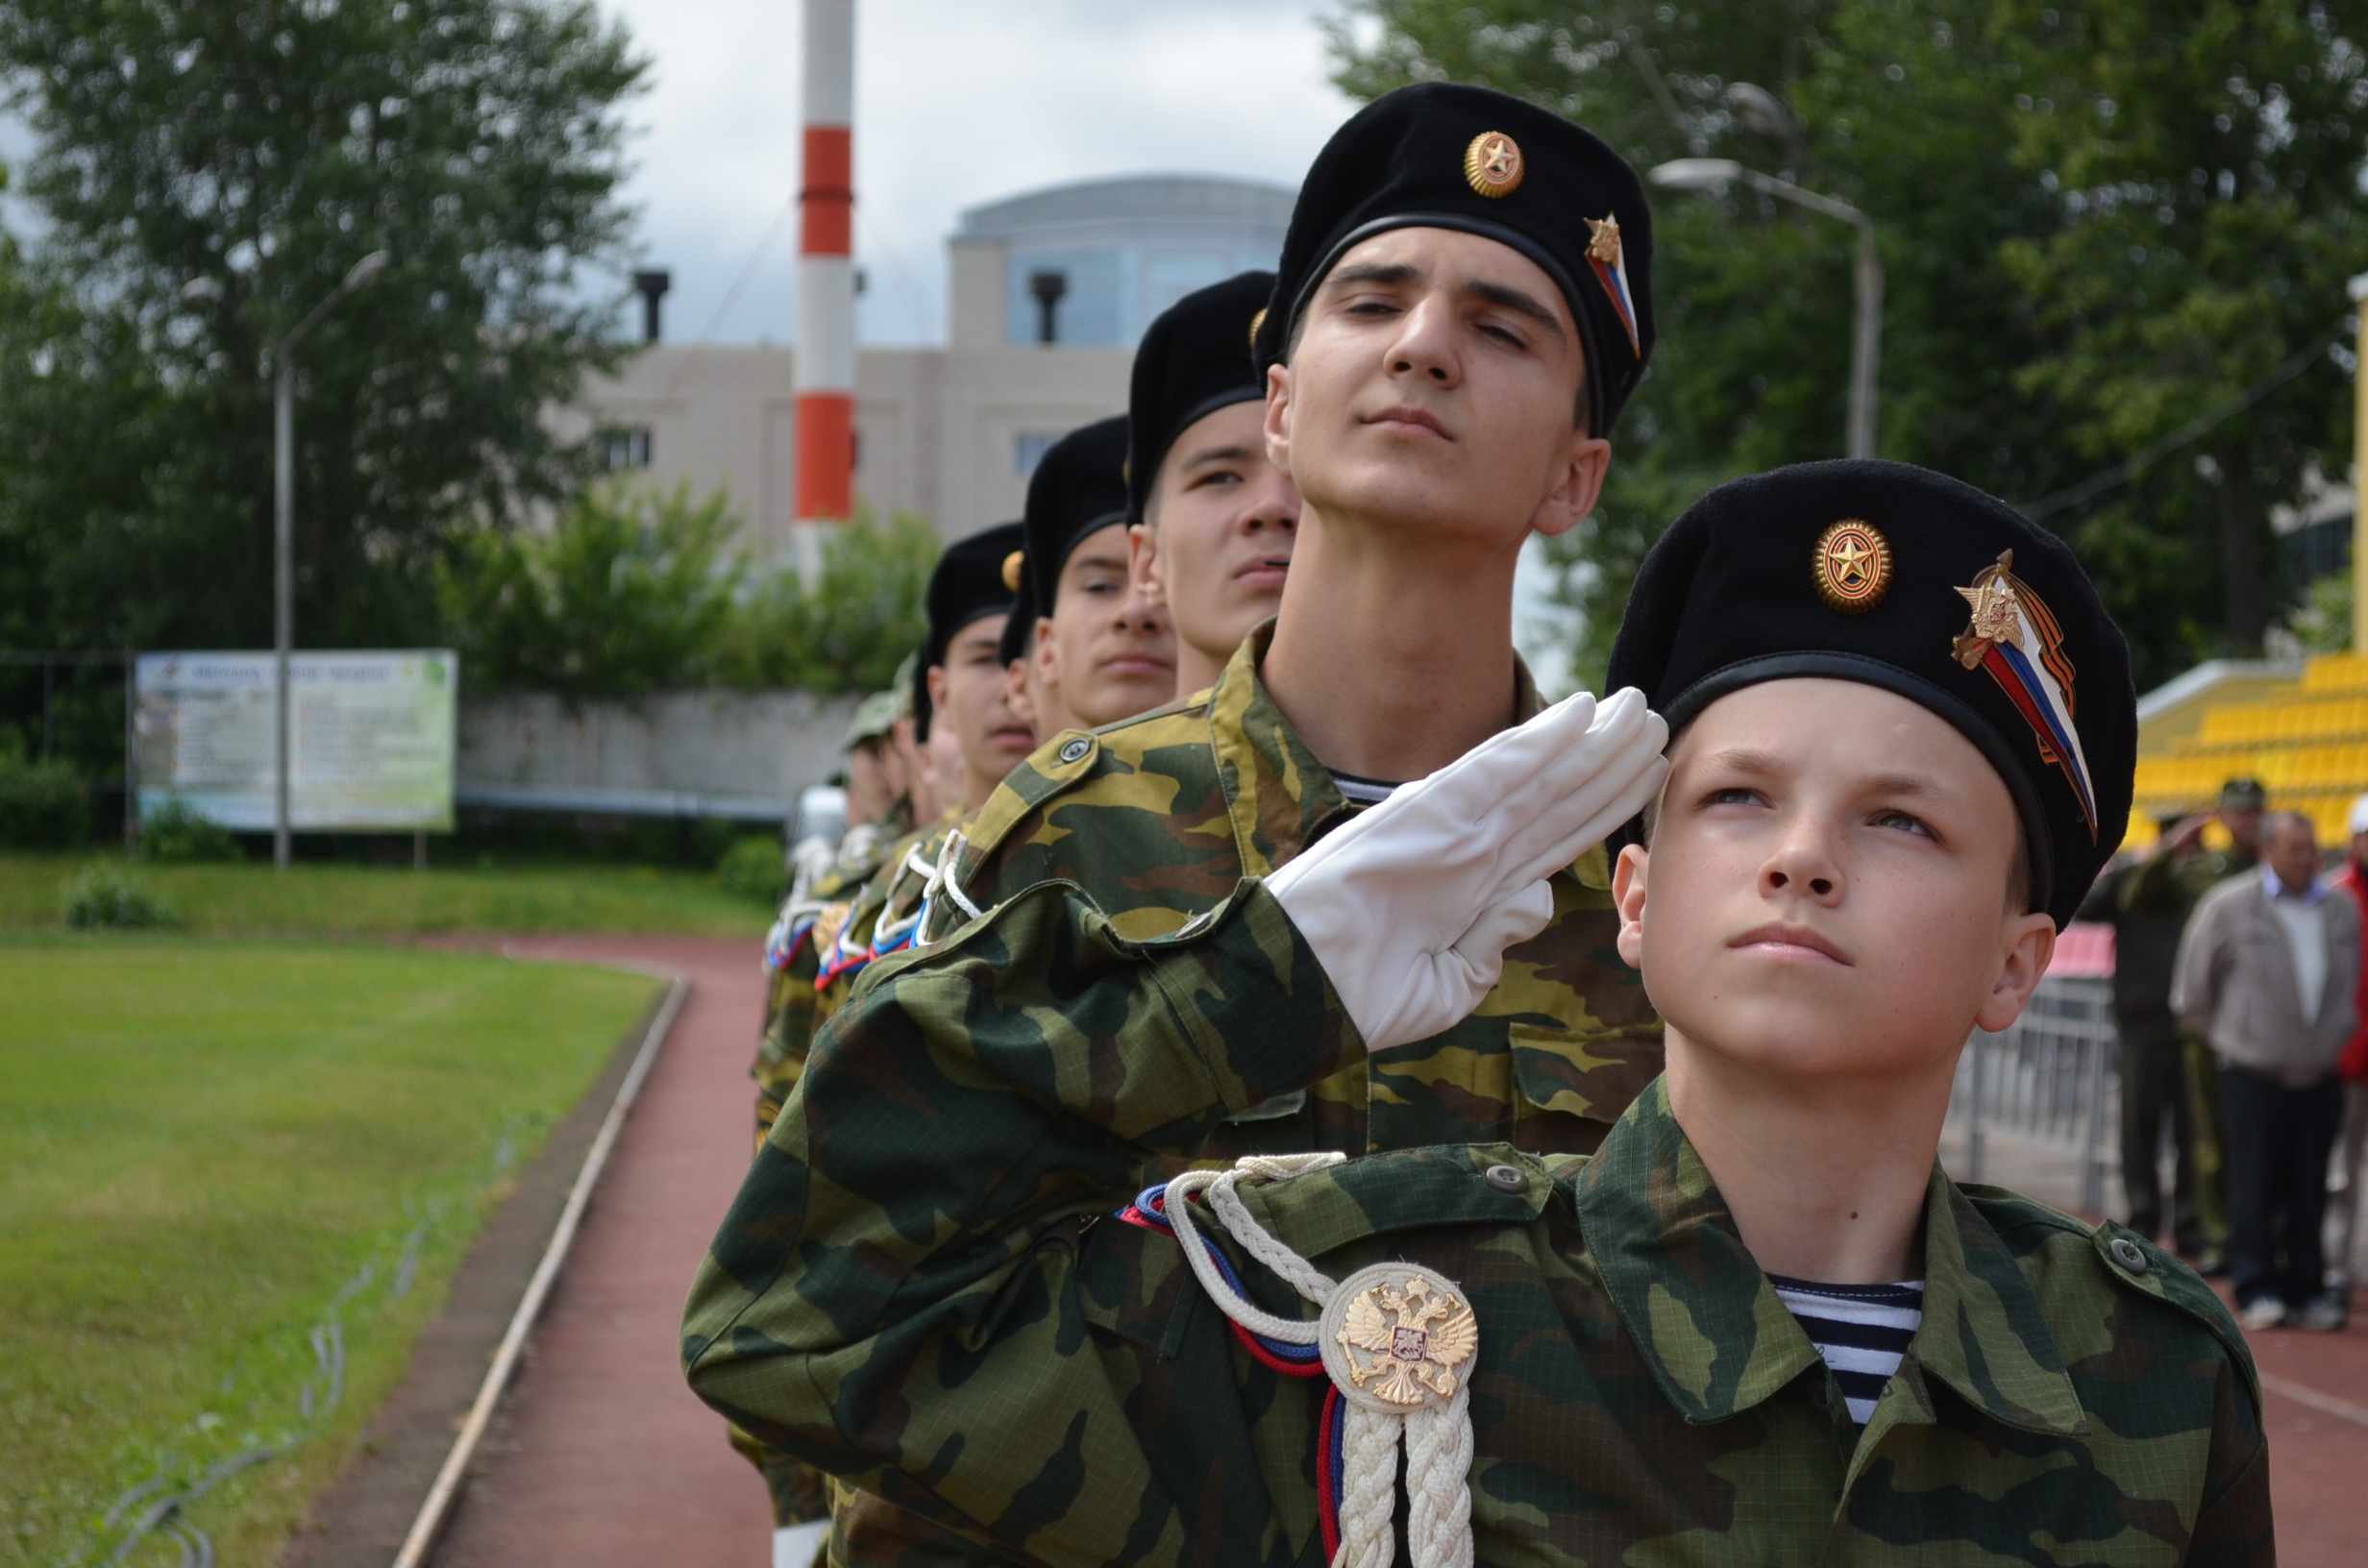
{"points": [[1402, 1340]]}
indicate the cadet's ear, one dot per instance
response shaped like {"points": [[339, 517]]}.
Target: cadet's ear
{"points": [[1278, 416], [1142, 564], [2029, 942], [1628, 897], [1578, 483]]}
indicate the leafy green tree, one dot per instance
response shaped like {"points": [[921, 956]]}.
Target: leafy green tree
{"points": [[850, 628], [626, 594], [207, 171], [632, 592], [1926, 115], [2206, 156]]}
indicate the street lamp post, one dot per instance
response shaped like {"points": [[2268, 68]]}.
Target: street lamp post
{"points": [[1866, 337], [284, 535]]}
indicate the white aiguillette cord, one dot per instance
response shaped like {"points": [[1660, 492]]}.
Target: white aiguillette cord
{"points": [[1396, 1339]]}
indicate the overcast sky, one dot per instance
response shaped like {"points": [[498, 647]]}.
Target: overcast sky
{"points": [[956, 103]]}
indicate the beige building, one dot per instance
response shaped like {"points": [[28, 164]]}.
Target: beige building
{"points": [[1050, 292]]}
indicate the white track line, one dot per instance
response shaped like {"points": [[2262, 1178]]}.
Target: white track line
{"points": [[438, 1505], [2302, 1394]]}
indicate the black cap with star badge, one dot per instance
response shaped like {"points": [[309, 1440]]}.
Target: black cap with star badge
{"points": [[1903, 578], [968, 584], [1440, 155], [1194, 359], [1078, 489]]}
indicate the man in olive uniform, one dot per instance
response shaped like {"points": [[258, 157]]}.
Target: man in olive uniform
{"points": [[1212, 519], [954, 683], [2147, 906], [1099, 650], [2168, 1072], [1761, 1326], [1446, 352]]}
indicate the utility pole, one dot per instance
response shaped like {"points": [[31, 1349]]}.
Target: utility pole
{"points": [[2360, 467], [283, 538]]}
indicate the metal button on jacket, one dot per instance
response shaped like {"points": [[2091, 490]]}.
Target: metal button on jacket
{"points": [[2129, 1254], [1075, 749], [1506, 1178]]}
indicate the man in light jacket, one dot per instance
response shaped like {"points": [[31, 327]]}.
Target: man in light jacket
{"points": [[2266, 972]]}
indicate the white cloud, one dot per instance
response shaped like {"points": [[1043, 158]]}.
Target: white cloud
{"points": [[955, 104]]}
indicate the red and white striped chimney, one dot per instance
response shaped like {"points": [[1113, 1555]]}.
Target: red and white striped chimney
{"points": [[825, 356]]}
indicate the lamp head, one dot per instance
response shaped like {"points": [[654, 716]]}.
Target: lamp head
{"points": [[1695, 173], [368, 270], [1760, 110]]}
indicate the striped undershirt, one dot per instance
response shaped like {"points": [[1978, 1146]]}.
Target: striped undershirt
{"points": [[1860, 1330], [1362, 791]]}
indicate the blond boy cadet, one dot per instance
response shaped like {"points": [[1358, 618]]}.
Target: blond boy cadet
{"points": [[1211, 518], [1758, 1327], [1096, 650]]}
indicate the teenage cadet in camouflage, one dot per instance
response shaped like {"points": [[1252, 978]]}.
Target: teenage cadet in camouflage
{"points": [[879, 802], [1100, 651], [1880, 807], [955, 685], [1461, 328], [1211, 518], [955, 680], [1211, 522]]}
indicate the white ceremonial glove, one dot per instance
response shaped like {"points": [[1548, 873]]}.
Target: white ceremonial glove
{"points": [[1411, 906]]}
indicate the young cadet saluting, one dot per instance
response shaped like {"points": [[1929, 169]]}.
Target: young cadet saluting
{"points": [[1212, 518], [1096, 649], [1759, 1327], [956, 684], [1462, 308]]}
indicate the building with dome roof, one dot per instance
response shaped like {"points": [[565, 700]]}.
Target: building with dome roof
{"points": [[1050, 290]]}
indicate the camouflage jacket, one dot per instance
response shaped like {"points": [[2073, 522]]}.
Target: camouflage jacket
{"points": [[920, 1287], [1157, 817], [821, 943]]}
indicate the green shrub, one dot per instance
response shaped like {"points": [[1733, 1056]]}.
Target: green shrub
{"points": [[108, 897], [43, 805], [177, 834], [753, 868]]}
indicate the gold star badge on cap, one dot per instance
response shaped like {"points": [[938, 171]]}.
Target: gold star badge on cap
{"points": [[1853, 566], [1011, 570], [1492, 164]]}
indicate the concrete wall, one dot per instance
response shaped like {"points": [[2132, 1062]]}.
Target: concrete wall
{"points": [[743, 755]]}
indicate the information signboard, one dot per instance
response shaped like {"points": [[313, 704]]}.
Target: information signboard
{"points": [[371, 743]]}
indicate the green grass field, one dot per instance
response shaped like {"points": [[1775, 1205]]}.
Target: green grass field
{"points": [[204, 1143], [312, 901]]}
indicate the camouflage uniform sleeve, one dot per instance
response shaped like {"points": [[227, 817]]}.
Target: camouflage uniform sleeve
{"points": [[902, 1292], [791, 1017]]}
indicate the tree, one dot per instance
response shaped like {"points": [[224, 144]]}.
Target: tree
{"points": [[255, 148], [2206, 156], [632, 592], [1912, 110], [624, 595]]}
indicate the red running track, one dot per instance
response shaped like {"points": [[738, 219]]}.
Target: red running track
{"points": [[601, 1455]]}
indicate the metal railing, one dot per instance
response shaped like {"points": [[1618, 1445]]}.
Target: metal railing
{"points": [[2048, 1080]]}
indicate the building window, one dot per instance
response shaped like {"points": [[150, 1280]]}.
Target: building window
{"points": [[1027, 449], [626, 448]]}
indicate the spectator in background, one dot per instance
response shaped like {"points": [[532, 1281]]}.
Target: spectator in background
{"points": [[2267, 972], [2352, 1139], [2147, 902]]}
